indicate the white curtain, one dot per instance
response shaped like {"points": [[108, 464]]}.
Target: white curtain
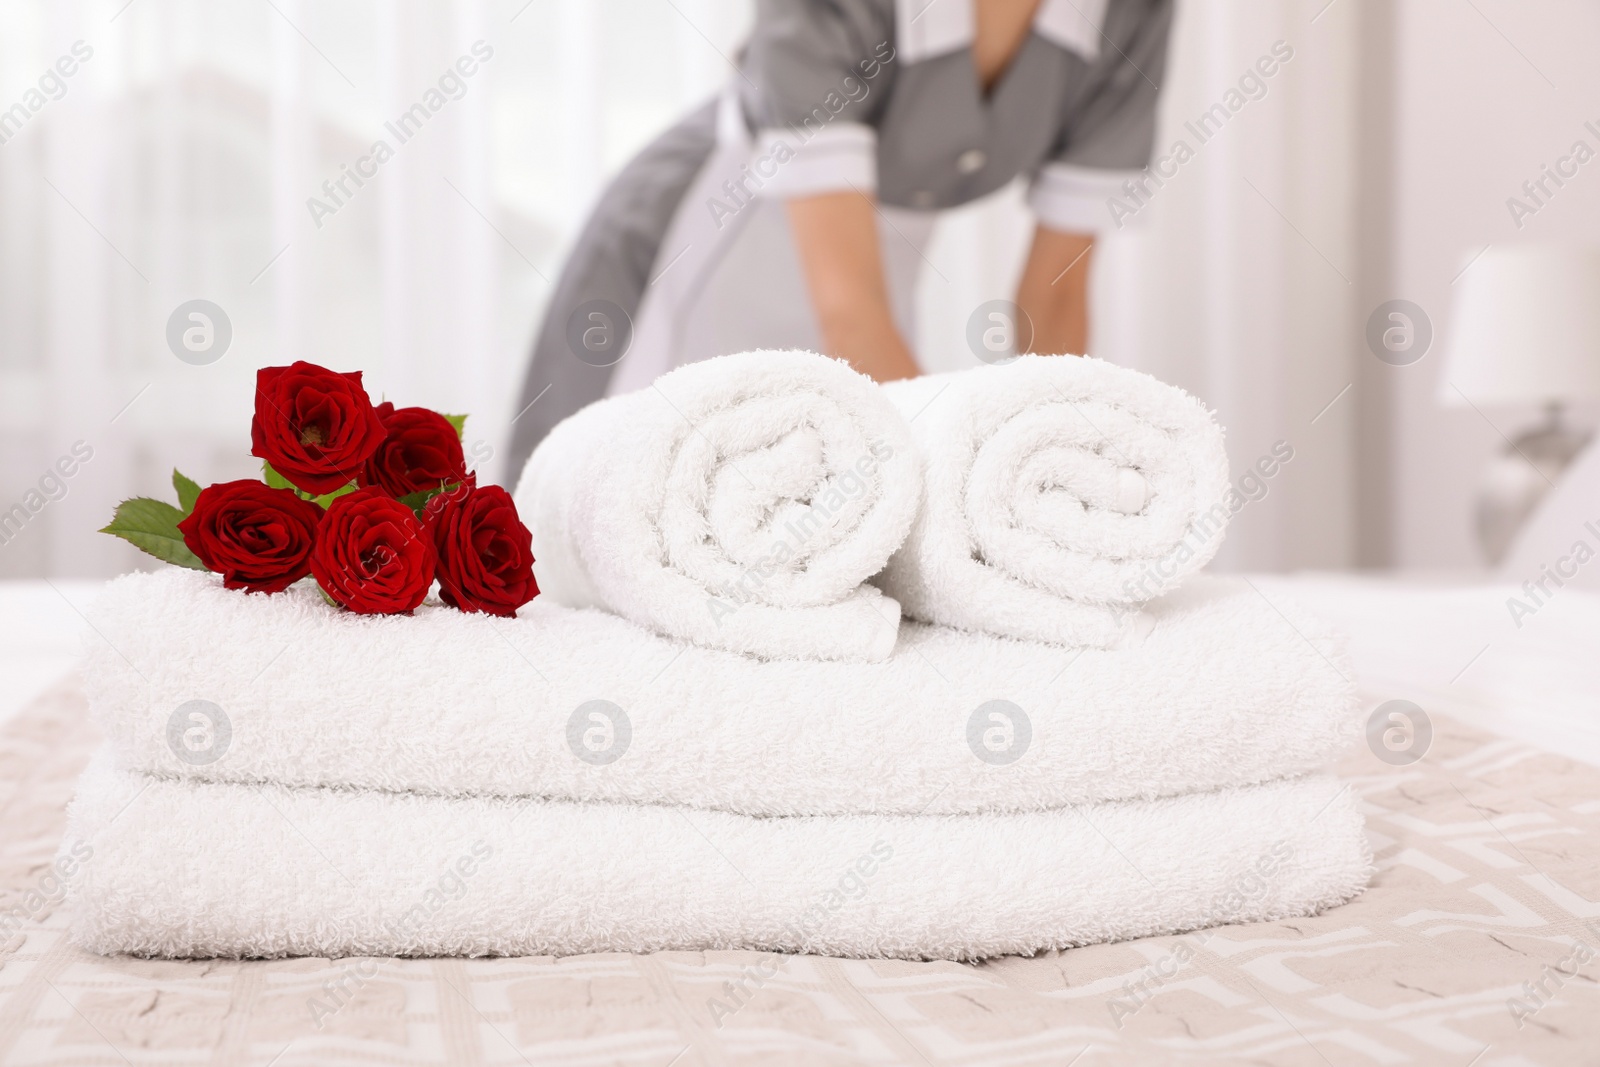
{"points": [[179, 160], [178, 163]]}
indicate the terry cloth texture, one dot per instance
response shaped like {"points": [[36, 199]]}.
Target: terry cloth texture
{"points": [[1223, 688], [1483, 843], [190, 869], [738, 503], [1060, 490]]}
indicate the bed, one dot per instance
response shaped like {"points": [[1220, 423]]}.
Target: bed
{"points": [[1477, 943]]}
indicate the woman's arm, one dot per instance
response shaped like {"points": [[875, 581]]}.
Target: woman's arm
{"points": [[1054, 291], [837, 238]]}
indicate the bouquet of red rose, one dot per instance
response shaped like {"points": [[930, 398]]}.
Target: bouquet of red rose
{"points": [[374, 502]]}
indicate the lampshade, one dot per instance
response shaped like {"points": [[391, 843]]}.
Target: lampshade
{"points": [[1525, 328]]}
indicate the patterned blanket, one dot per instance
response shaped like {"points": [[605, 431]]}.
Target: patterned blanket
{"points": [[1475, 946]]}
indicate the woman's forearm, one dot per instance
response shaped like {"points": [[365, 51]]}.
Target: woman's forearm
{"points": [[1054, 291], [836, 235]]}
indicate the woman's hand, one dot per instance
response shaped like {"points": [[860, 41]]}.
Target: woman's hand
{"points": [[836, 235], [1054, 291]]}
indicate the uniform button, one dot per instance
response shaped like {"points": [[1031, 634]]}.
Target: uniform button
{"points": [[971, 160], [922, 198]]}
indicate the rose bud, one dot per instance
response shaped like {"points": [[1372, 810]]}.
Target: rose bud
{"points": [[421, 450], [485, 552], [315, 427], [258, 538], [372, 555]]}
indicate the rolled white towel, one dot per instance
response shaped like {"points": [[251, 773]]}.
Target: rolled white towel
{"points": [[192, 869], [1060, 490], [739, 503]]}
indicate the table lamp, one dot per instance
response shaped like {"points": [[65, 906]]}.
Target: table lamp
{"points": [[1525, 330]]}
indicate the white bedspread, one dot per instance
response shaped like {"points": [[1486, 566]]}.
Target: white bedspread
{"points": [[1453, 646], [1446, 642]]}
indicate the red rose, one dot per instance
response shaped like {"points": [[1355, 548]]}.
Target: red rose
{"points": [[372, 555], [485, 552], [315, 427], [421, 451], [258, 538]]}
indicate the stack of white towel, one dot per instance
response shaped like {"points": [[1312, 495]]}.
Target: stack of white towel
{"points": [[819, 666]]}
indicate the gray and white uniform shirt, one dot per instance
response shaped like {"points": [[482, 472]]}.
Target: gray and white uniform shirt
{"points": [[688, 253]]}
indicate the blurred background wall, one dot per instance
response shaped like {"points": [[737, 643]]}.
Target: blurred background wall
{"points": [[1485, 95], [176, 161]]}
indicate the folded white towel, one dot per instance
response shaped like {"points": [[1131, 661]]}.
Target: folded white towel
{"points": [[738, 503], [1223, 689], [1058, 490], [195, 869]]}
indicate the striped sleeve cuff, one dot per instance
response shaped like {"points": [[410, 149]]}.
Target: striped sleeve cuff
{"points": [[1076, 199], [807, 160]]}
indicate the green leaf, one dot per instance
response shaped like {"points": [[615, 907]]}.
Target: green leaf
{"points": [[418, 501], [274, 479], [459, 422], [278, 481], [327, 498], [152, 526], [188, 491]]}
